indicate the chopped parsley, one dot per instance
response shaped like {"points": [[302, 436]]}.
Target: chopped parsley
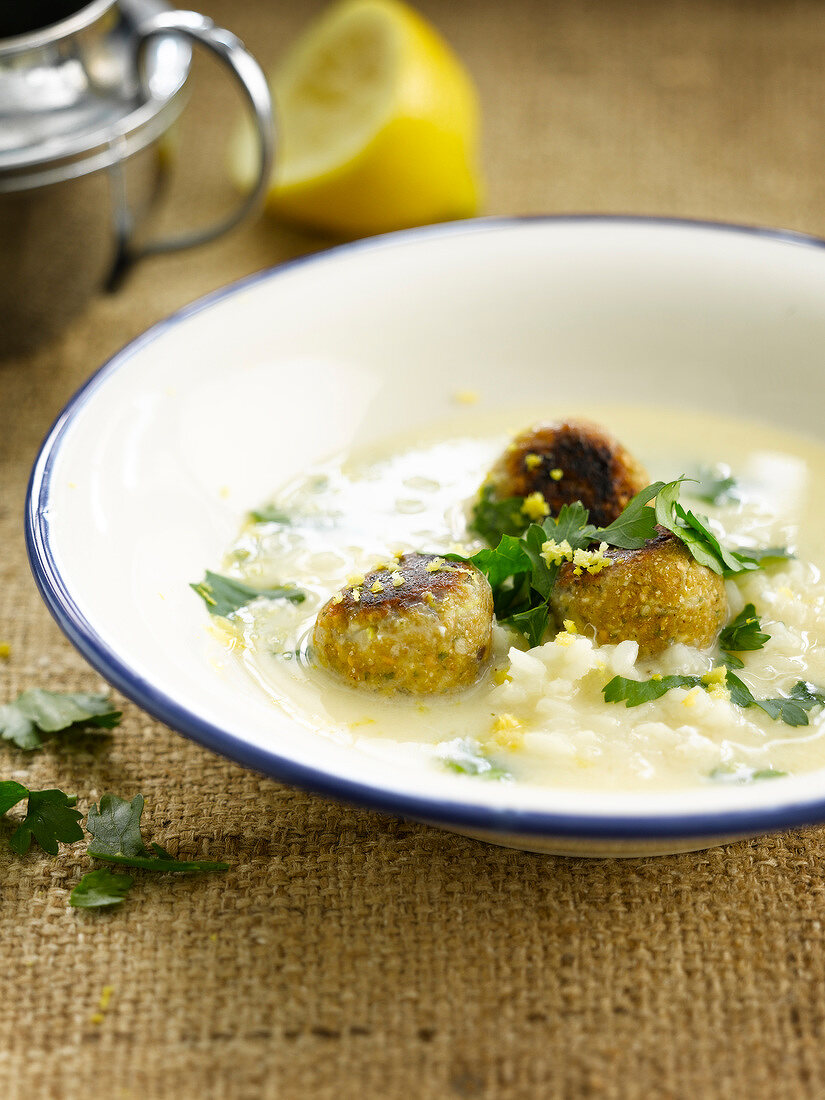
{"points": [[51, 818], [519, 573], [637, 523], [466, 756], [715, 485], [743, 773], [492, 518], [223, 595], [270, 513], [759, 557], [523, 561], [695, 532], [635, 692], [744, 633], [532, 623], [101, 888], [791, 709], [50, 711], [116, 838]]}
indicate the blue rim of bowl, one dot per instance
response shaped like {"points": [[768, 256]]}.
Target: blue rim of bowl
{"points": [[479, 817]]}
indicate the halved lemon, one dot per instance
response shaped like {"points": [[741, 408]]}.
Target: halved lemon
{"points": [[378, 125]]}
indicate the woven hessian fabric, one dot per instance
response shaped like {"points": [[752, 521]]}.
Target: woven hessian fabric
{"points": [[346, 954]]}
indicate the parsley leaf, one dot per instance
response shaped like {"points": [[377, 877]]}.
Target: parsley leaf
{"points": [[49, 711], [695, 532], [270, 514], [465, 756], [637, 523], [223, 595], [507, 560], [10, 794], [492, 518], [635, 692], [100, 888], [522, 580], [791, 709], [115, 829], [750, 558], [531, 623], [50, 818], [571, 524], [740, 694], [520, 577], [714, 486], [742, 634], [743, 773], [542, 575]]}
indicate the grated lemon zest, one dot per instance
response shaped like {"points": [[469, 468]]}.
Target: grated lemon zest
{"points": [[535, 506], [554, 553], [691, 697], [716, 677], [435, 566]]}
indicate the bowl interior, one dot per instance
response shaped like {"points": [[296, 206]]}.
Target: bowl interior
{"points": [[144, 481]]}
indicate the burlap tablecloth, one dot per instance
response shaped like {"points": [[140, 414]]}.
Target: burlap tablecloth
{"points": [[346, 954]]}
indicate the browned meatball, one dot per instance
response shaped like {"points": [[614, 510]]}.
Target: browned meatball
{"points": [[568, 461], [420, 625], [656, 596]]}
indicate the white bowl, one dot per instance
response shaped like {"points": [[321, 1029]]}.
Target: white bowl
{"points": [[144, 479]]}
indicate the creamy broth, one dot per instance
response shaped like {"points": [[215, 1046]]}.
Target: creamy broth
{"points": [[539, 717]]}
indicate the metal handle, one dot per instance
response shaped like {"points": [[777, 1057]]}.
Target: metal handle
{"points": [[249, 75]]}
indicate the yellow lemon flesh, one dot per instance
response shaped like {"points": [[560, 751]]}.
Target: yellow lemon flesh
{"points": [[378, 125]]}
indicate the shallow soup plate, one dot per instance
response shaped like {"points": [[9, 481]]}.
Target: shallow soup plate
{"points": [[159, 457]]}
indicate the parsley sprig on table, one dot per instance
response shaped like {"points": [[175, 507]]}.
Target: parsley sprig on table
{"points": [[116, 838], [100, 889], [51, 818], [50, 712]]}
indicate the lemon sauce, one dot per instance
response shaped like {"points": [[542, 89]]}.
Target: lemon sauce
{"points": [[539, 717]]}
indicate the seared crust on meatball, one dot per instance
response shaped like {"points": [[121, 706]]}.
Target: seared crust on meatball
{"points": [[656, 596], [568, 461], [419, 625]]}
